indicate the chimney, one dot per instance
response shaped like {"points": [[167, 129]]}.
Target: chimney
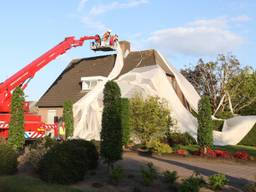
{"points": [[126, 47]]}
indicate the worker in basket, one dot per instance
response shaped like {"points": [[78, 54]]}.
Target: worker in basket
{"points": [[106, 38], [113, 40]]}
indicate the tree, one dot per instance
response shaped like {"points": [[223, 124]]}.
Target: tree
{"points": [[125, 115], [211, 79], [16, 127], [68, 118], [242, 90], [205, 130], [111, 132], [150, 118]]}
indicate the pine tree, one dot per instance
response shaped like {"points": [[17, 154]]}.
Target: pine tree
{"points": [[16, 127], [68, 118], [111, 133], [205, 130]]}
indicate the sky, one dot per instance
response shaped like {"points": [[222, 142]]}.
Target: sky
{"points": [[182, 30]]}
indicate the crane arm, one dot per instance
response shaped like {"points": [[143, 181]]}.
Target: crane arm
{"points": [[22, 77]]}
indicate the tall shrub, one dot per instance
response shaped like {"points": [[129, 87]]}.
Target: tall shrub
{"points": [[204, 131], [125, 115], [150, 118], [16, 127], [111, 133], [68, 118]]}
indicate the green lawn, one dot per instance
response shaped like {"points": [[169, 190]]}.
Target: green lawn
{"points": [[24, 183], [230, 148]]}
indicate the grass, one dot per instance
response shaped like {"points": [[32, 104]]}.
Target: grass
{"points": [[24, 183], [230, 148]]}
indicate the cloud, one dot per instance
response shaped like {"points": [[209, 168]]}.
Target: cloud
{"points": [[199, 38], [81, 5], [93, 25], [115, 5], [241, 18], [92, 21], [218, 22]]}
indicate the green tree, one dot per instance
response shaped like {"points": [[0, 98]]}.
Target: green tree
{"points": [[68, 118], [150, 118], [210, 78], [125, 115], [205, 130], [242, 89], [16, 127], [111, 133]]}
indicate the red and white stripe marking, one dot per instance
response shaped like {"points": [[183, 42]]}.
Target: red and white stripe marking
{"points": [[49, 127], [33, 135], [4, 125]]}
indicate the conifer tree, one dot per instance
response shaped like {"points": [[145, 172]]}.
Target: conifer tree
{"points": [[204, 131], [16, 127], [111, 133], [68, 118]]}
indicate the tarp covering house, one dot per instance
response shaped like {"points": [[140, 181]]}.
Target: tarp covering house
{"points": [[146, 72]]}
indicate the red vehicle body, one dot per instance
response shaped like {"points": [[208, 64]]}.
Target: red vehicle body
{"points": [[34, 127]]}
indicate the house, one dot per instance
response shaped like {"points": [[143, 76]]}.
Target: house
{"points": [[82, 75], [146, 72]]}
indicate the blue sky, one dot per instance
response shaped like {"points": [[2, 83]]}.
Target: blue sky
{"points": [[182, 30]]}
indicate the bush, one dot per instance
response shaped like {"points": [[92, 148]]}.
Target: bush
{"points": [[150, 118], [8, 160], [217, 125], [125, 115], [116, 174], [35, 152], [177, 138], [204, 131], [182, 152], [250, 138], [148, 174], [91, 151], [241, 155], [111, 132], [192, 184], [222, 154], [217, 181], [158, 147], [249, 110], [210, 153], [67, 162], [224, 115], [170, 177]]}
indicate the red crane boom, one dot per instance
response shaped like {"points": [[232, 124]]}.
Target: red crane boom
{"points": [[34, 127], [22, 77]]}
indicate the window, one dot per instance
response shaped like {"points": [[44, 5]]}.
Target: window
{"points": [[50, 116], [88, 83]]}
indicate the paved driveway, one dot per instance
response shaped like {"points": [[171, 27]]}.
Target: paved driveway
{"points": [[239, 173]]}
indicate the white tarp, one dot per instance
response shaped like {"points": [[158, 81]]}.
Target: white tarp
{"points": [[88, 110], [152, 80], [234, 130]]}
